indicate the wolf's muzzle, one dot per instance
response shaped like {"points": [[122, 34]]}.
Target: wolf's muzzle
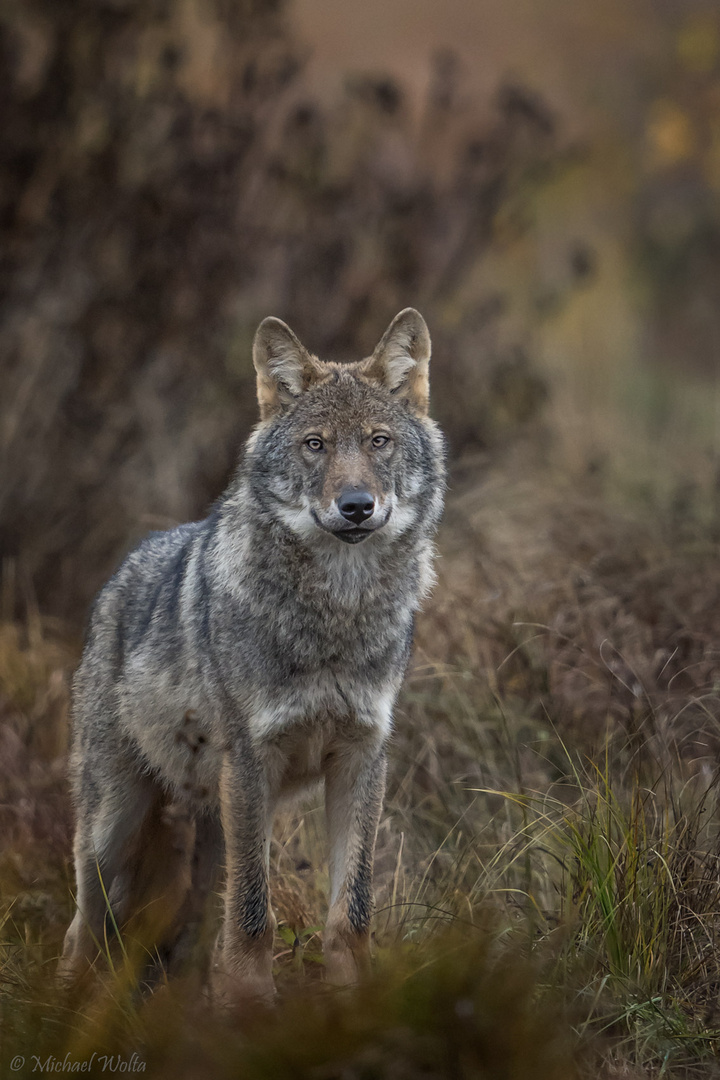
{"points": [[351, 533]]}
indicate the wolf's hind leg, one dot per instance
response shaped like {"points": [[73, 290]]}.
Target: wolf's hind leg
{"points": [[104, 842], [197, 919]]}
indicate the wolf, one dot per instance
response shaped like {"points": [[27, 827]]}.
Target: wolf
{"points": [[235, 661]]}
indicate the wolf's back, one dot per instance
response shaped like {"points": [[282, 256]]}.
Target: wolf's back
{"points": [[138, 612], [144, 591]]}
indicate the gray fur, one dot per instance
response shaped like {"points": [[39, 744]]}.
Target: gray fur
{"points": [[236, 660]]}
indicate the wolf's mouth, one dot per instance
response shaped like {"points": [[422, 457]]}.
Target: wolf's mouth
{"points": [[350, 535], [353, 536]]}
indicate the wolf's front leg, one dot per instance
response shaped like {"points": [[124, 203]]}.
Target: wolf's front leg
{"points": [[354, 789], [244, 967]]}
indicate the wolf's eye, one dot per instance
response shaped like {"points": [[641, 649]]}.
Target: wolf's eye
{"points": [[314, 444], [379, 441]]}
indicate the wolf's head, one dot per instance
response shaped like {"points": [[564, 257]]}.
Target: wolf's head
{"points": [[346, 452]]}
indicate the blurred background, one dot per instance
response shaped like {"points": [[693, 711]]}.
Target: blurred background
{"points": [[540, 179]]}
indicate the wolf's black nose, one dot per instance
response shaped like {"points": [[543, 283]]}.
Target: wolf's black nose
{"points": [[355, 505]]}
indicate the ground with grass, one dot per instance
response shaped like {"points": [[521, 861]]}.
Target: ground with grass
{"points": [[548, 870]]}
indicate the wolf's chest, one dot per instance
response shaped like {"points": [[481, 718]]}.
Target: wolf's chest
{"points": [[328, 699]]}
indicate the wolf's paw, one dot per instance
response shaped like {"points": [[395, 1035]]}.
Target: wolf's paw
{"points": [[77, 960], [68, 972], [229, 992], [347, 953]]}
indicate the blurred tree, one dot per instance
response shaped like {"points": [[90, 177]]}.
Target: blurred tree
{"points": [[163, 186], [129, 129]]}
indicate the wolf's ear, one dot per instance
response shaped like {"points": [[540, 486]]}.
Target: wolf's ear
{"points": [[284, 367], [401, 360]]}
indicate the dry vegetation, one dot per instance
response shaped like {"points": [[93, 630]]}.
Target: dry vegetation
{"points": [[548, 873]]}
